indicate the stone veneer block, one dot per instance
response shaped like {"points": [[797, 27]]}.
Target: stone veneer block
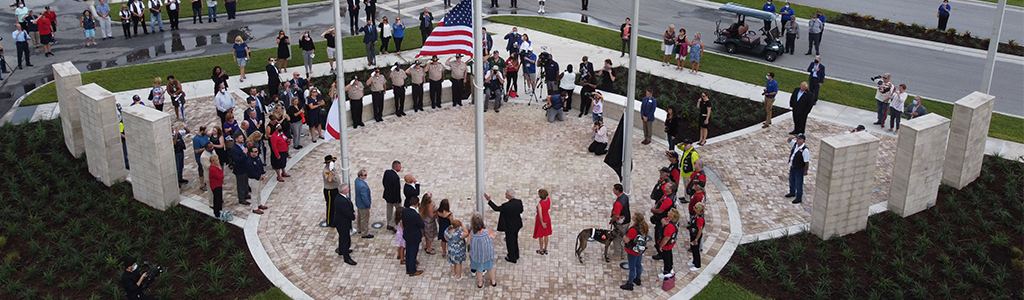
{"points": [[66, 78], [917, 171], [150, 151], [967, 134], [842, 192], [101, 133]]}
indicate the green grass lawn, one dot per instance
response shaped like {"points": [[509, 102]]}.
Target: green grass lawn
{"points": [[273, 293], [722, 289], [1002, 126], [201, 68], [186, 8], [801, 11], [1008, 2]]}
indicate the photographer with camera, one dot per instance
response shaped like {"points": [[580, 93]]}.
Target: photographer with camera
{"points": [[882, 97], [554, 107], [600, 144], [587, 80], [493, 81], [132, 282]]}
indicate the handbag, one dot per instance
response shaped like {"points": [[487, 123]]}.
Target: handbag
{"points": [[668, 283], [512, 94]]}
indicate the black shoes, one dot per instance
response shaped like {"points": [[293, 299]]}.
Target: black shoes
{"points": [[348, 260], [628, 287], [368, 236], [510, 260], [636, 281], [797, 201], [790, 195]]}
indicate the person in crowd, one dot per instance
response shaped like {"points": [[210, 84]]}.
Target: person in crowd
{"points": [[283, 51], [444, 220], [896, 108], [370, 40], [513, 38], [241, 50], [673, 121], [343, 217], [589, 86], [255, 172], [21, 38], [398, 32], [529, 66], [458, 75], [138, 10], [222, 144], [88, 24], [371, 9], [231, 126], [695, 185], [667, 242], [177, 96], [354, 90], [661, 207], [638, 230], [792, 34], [307, 46], [45, 24], [230, 6], [673, 166], [598, 106], [216, 175], [411, 188], [398, 76], [814, 28], [624, 33], [393, 193], [386, 33], [332, 184], [883, 94], [211, 11], [696, 51], [509, 221], [771, 89], [173, 11], [512, 74], [199, 142], [203, 160], [915, 109], [417, 76], [399, 237], [607, 77], [197, 11], [155, 6], [156, 94], [481, 250], [456, 235], [620, 217], [353, 16], [768, 7], [542, 227], [647, 107], [554, 107], [314, 109], [435, 74], [800, 101], [377, 84], [273, 79], [799, 165], [179, 152], [240, 168], [659, 188], [689, 156], [279, 145], [696, 228], [493, 80], [567, 83], [428, 212], [126, 21], [294, 112], [787, 13], [943, 14], [816, 77], [412, 224], [220, 79], [426, 23], [704, 108], [668, 44], [551, 75], [363, 203], [600, 144], [331, 46]]}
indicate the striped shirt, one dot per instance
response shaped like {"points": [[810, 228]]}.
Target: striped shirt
{"points": [[482, 247]]}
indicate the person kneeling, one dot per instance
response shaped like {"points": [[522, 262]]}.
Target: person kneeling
{"points": [[600, 144], [554, 107], [494, 80]]}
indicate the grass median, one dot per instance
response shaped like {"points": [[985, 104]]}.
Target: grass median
{"points": [[201, 68], [722, 289], [186, 8], [802, 11], [849, 94]]}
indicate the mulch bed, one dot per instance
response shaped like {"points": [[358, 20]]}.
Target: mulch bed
{"points": [[949, 36], [965, 247], [64, 233]]}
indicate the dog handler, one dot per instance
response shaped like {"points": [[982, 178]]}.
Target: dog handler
{"points": [[620, 218]]}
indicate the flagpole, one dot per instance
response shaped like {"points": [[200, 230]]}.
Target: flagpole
{"points": [[627, 137], [478, 94], [284, 17], [340, 93]]}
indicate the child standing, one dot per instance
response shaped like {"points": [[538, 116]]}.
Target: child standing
{"points": [[456, 246], [399, 241]]}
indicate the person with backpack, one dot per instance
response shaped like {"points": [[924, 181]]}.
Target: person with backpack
{"points": [[696, 229], [636, 243], [667, 242]]}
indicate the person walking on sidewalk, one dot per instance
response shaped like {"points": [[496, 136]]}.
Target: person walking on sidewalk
{"points": [[771, 89], [799, 164], [647, 108], [173, 9], [943, 14], [155, 6], [21, 41], [814, 29], [103, 16]]}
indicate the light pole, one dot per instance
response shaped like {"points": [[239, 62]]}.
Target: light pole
{"points": [[478, 93], [993, 47]]}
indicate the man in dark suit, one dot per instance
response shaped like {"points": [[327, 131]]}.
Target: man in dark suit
{"points": [[343, 216], [273, 80], [413, 234], [800, 101], [411, 189], [816, 77], [353, 16], [240, 168], [509, 221], [392, 191], [426, 23]]}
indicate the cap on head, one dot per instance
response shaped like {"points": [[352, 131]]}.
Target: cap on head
{"points": [[458, 55], [801, 136], [672, 154], [329, 158], [687, 141], [666, 170], [886, 75], [434, 58], [494, 68], [127, 261], [860, 127]]}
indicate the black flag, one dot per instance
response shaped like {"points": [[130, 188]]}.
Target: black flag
{"points": [[614, 157]]}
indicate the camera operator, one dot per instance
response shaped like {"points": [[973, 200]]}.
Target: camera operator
{"points": [[882, 97], [494, 80], [600, 144], [530, 69], [550, 72], [554, 108], [567, 83], [589, 83], [131, 281]]}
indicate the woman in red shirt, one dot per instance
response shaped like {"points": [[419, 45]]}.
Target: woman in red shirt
{"points": [[668, 240], [542, 229], [216, 175], [638, 229], [279, 146], [512, 74]]}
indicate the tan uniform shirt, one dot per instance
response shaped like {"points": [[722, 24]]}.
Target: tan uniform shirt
{"points": [[458, 70], [334, 183], [377, 83], [435, 71], [355, 91], [416, 75], [398, 77]]}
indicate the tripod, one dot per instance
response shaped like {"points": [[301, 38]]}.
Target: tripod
{"points": [[537, 93]]}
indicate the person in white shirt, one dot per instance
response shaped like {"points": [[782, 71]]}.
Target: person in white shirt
{"points": [[494, 80], [173, 8], [155, 6], [598, 105], [224, 102], [882, 96], [138, 11], [896, 105], [600, 144], [567, 82]]}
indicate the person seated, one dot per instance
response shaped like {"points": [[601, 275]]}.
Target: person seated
{"points": [[600, 144]]}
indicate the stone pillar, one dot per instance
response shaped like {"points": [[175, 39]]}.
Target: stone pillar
{"points": [[967, 134], [846, 177], [101, 133], [150, 152], [918, 169], [66, 78]]}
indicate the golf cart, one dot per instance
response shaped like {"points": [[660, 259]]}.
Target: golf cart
{"points": [[739, 37]]}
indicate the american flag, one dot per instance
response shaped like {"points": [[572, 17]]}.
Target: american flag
{"points": [[454, 34]]}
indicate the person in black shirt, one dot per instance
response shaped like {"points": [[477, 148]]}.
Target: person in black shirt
{"points": [[589, 83], [329, 35], [132, 282]]}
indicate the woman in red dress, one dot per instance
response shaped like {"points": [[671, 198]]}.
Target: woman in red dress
{"points": [[542, 230]]}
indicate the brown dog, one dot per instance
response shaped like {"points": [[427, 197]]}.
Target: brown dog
{"points": [[603, 236]]}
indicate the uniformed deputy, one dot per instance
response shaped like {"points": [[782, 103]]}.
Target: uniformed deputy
{"points": [[377, 84], [435, 73], [458, 78], [689, 155], [354, 91], [331, 193], [417, 75], [398, 76]]}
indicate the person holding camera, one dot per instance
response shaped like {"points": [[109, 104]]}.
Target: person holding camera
{"points": [[882, 96], [589, 84], [600, 144], [131, 281], [566, 82], [494, 80], [554, 107]]}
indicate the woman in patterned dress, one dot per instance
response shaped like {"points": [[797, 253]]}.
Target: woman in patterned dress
{"points": [[456, 236]]}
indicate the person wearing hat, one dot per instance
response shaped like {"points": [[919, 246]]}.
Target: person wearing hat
{"points": [[799, 164], [494, 80], [355, 91], [435, 73], [458, 78], [398, 76], [132, 282], [663, 179], [417, 76], [689, 155], [673, 166], [331, 191], [494, 59], [377, 85]]}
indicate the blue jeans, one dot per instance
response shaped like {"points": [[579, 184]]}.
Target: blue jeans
{"points": [[211, 13], [672, 144], [635, 268], [596, 116], [796, 182], [881, 108], [154, 20], [179, 161]]}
